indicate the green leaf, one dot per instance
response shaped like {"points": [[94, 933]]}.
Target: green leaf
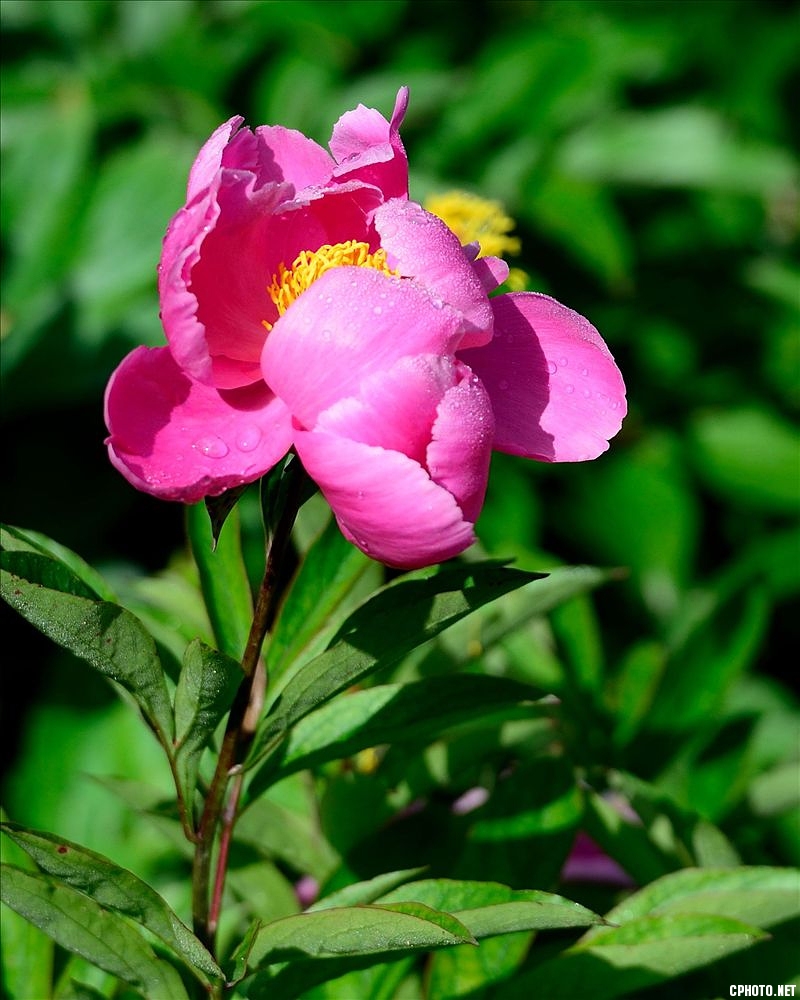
{"points": [[356, 930], [540, 797], [722, 635], [489, 908], [223, 579], [284, 825], [42, 200], [80, 925], [26, 954], [366, 892], [379, 633], [628, 843], [137, 189], [330, 571], [665, 836], [758, 895], [24, 540], [749, 456], [113, 888], [584, 218], [206, 688], [624, 960], [107, 636], [681, 146], [397, 713]]}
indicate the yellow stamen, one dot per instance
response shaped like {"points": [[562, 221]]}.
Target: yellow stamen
{"points": [[308, 265]]}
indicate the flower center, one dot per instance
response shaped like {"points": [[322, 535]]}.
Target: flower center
{"points": [[290, 282]]}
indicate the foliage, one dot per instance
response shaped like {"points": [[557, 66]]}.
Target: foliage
{"points": [[476, 781]]}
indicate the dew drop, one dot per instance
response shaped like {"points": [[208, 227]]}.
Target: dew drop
{"points": [[615, 405], [211, 446], [563, 362], [587, 393], [569, 388], [377, 310], [552, 367], [503, 384], [326, 335], [584, 372], [248, 438]]}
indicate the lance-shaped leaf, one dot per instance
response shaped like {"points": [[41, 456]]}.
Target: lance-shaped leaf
{"points": [[223, 578], [365, 892], [111, 639], [331, 570], [85, 928], [623, 961], [379, 633], [489, 908], [24, 540], [206, 687], [26, 954], [355, 930], [759, 895], [419, 711], [113, 888]]}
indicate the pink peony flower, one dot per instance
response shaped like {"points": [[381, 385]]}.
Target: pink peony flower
{"points": [[309, 304]]}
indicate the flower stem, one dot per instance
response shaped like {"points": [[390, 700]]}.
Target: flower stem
{"points": [[242, 720]]}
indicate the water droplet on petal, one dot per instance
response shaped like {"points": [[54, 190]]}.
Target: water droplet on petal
{"points": [[552, 367], [326, 335], [248, 438], [569, 388], [211, 446], [503, 384], [377, 310], [563, 362], [587, 393], [584, 372]]}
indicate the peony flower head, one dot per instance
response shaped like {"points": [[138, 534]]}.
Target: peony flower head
{"points": [[309, 304]]}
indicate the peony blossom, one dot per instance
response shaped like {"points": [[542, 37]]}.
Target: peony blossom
{"points": [[309, 304]]}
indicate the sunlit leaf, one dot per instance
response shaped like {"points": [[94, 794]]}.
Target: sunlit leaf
{"points": [[398, 713], [622, 961], [107, 636], [380, 632], [113, 888], [80, 925]]}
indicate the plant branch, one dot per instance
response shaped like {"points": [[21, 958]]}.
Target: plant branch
{"points": [[242, 720]]}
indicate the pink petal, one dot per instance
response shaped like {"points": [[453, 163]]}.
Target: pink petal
{"points": [[212, 282], [492, 272], [288, 155], [182, 440], [369, 148], [385, 502], [209, 159], [421, 246], [461, 446], [396, 408], [352, 322], [556, 392]]}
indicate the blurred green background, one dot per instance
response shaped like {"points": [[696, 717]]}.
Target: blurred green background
{"points": [[648, 152]]}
